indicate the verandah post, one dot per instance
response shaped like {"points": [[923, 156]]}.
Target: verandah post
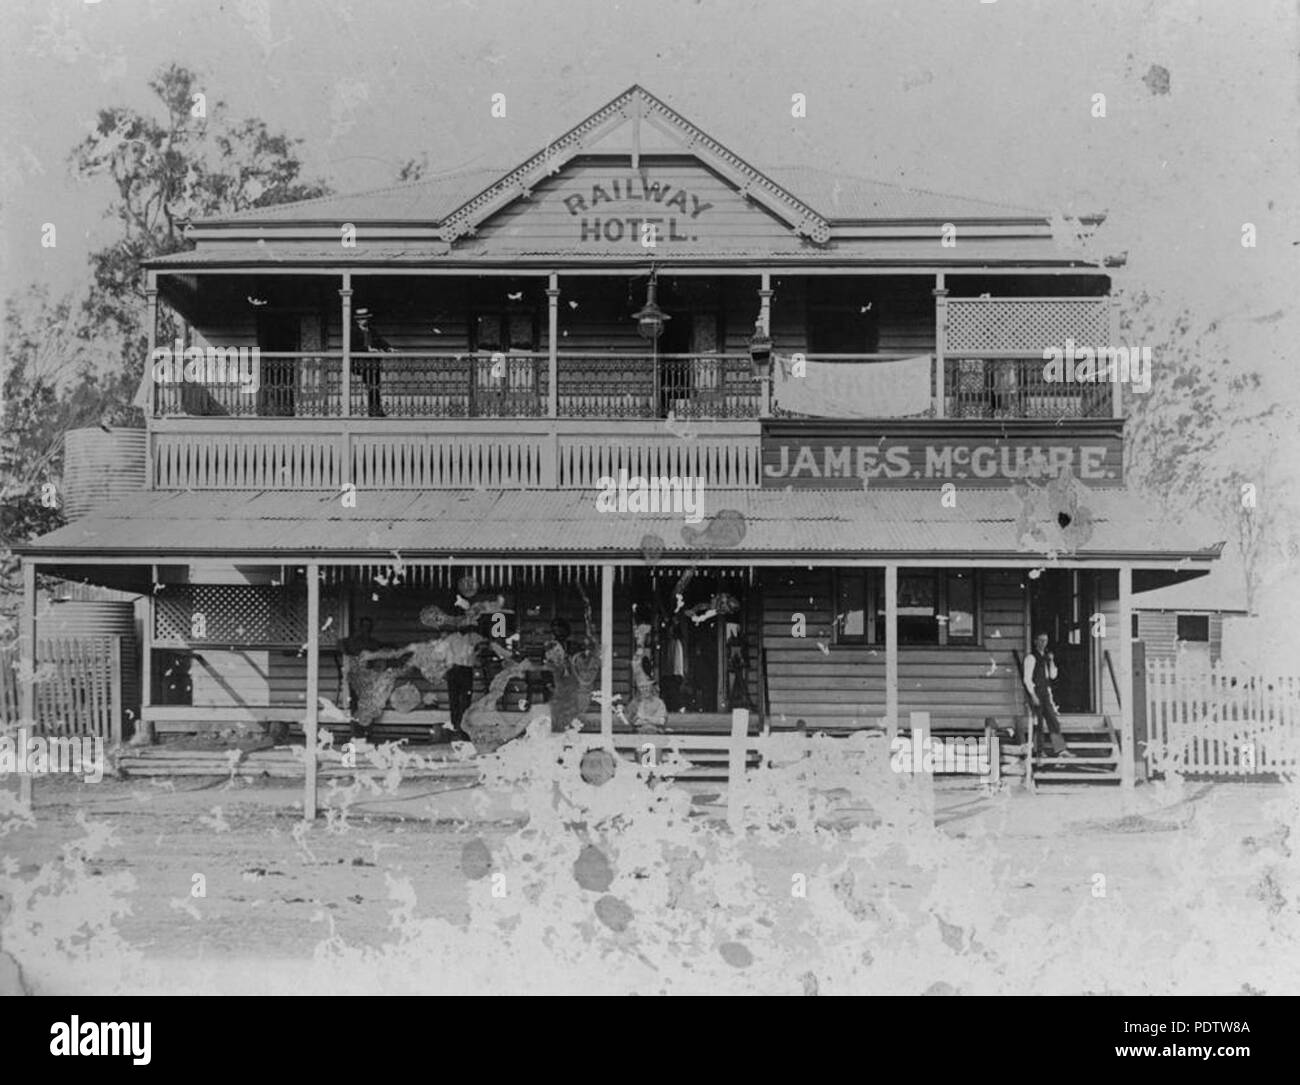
{"points": [[919, 723], [765, 319], [607, 655], [313, 683], [143, 735], [27, 672], [550, 465], [940, 343], [151, 332], [1112, 335], [1128, 734], [345, 383], [553, 345], [737, 751], [1141, 729], [115, 690], [891, 650]]}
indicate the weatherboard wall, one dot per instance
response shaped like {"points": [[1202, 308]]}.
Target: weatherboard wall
{"points": [[843, 686]]}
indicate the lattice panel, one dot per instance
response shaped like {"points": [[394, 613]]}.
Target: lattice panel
{"points": [[240, 614], [1014, 324]]}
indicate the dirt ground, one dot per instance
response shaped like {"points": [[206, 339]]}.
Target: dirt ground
{"points": [[226, 875]]}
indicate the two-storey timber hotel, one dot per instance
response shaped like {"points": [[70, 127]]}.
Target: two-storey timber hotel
{"points": [[790, 435]]}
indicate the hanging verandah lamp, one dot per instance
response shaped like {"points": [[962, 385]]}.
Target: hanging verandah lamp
{"points": [[650, 319]]}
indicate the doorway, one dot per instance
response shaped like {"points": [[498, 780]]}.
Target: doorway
{"points": [[278, 333], [694, 334], [696, 650], [1061, 604]]}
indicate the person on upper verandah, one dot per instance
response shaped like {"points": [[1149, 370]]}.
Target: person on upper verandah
{"points": [[365, 340], [1039, 674]]}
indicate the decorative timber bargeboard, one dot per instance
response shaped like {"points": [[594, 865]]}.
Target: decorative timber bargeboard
{"points": [[926, 454]]}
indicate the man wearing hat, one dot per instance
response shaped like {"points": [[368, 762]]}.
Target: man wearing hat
{"points": [[365, 340]]}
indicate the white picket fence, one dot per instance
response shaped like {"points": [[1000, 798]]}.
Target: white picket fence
{"points": [[1213, 721]]}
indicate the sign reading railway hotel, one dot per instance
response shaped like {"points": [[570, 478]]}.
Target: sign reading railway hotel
{"points": [[640, 209]]}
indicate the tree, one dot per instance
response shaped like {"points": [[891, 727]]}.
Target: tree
{"points": [[191, 162], [77, 360], [56, 376], [413, 169], [1211, 434]]}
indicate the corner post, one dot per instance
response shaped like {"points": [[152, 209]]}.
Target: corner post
{"points": [[143, 734], [27, 674], [550, 465], [607, 655], [345, 383], [940, 343], [311, 723], [1128, 732], [151, 331], [891, 650], [115, 692]]}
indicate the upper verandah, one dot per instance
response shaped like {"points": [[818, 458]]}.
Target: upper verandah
{"points": [[635, 183]]}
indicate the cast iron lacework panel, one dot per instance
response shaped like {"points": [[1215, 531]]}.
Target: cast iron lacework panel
{"points": [[240, 614], [1023, 324]]}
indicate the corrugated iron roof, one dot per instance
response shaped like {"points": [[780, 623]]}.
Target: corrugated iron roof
{"points": [[793, 523], [428, 200], [844, 197], [975, 251], [837, 197]]}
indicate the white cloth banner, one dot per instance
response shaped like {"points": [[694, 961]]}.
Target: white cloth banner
{"points": [[854, 389]]}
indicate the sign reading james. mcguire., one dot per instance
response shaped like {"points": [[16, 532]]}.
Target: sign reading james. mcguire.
{"points": [[919, 455]]}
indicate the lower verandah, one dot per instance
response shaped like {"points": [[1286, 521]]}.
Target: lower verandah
{"points": [[794, 646]]}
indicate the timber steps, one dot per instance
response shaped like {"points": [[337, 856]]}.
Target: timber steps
{"points": [[1095, 744]]}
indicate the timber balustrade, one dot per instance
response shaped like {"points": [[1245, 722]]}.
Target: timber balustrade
{"points": [[498, 385], [393, 453]]}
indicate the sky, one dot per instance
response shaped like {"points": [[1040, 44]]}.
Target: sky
{"points": [[992, 100]]}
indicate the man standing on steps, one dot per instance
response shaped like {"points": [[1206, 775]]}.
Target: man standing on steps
{"points": [[1039, 674]]}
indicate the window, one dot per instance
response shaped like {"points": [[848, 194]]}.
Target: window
{"points": [[961, 603], [918, 606], [1194, 627], [853, 593], [940, 608], [511, 328], [1136, 635]]}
